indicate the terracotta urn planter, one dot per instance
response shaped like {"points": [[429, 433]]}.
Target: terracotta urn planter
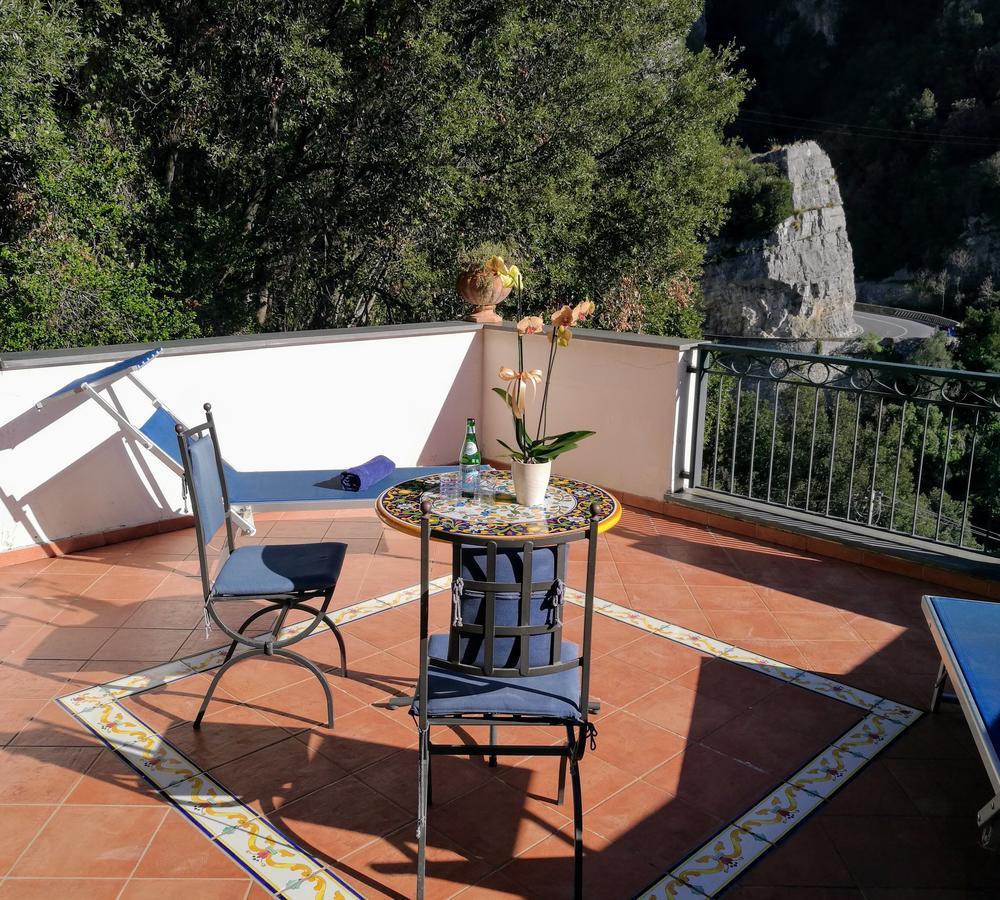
{"points": [[483, 290]]}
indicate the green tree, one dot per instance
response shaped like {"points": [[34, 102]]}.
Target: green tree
{"points": [[74, 200], [282, 164]]}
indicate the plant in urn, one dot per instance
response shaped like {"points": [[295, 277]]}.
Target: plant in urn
{"points": [[484, 282]]}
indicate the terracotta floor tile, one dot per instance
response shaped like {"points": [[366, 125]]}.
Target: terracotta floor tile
{"points": [[339, 819], [58, 642], [112, 847], [719, 597], [607, 635], [181, 889], [816, 626], [711, 781], [52, 726], [652, 571], [808, 712], [126, 584], [50, 584], [185, 614], [177, 702], [362, 737], [21, 824], [736, 686], [180, 850], [660, 599], [874, 791], [391, 862], [758, 739], [41, 888], [15, 715], [896, 851], [153, 644], [634, 745], [515, 822], [943, 736], [683, 711], [661, 656], [712, 575], [738, 625], [261, 675], [279, 774], [377, 677], [112, 782], [617, 682], [788, 602], [42, 774], [395, 777], [651, 824], [939, 787], [835, 657], [95, 613], [805, 860], [599, 780], [225, 734]]}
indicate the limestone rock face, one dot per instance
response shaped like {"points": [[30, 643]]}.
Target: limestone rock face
{"points": [[798, 282]]}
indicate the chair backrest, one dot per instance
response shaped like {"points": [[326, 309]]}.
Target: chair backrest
{"points": [[507, 610], [206, 481]]}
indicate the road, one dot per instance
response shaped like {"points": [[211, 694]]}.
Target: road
{"points": [[891, 327]]}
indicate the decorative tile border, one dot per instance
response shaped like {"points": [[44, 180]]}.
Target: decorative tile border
{"points": [[290, 872], [737, 846], [274, 860]]}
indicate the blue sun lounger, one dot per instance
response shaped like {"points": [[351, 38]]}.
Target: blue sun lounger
{"points": [[263, 491], [967, 633]]}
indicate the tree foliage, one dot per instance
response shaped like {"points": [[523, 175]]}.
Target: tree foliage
{"points": [[173, 165]]}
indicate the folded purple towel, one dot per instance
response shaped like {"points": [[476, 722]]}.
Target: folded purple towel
{"points": [[360, 478]]}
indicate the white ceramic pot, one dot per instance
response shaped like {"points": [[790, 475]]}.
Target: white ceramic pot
{"points": [[530, 481]]}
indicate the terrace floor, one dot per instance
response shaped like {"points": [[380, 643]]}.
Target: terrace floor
{"points": [[760, 735]]}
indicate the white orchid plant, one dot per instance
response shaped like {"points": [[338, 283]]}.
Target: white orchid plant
{"points": [[542, 447]]}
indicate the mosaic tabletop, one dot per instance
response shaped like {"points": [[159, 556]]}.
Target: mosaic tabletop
{"points": [[565, 512]]}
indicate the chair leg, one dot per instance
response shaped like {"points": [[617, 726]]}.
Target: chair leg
{"points": [[938, 688], [228, 664], [251, 618], [340, 641], [574, 771], [493, 740], [422, 798], [561, 796], [312, 667]]}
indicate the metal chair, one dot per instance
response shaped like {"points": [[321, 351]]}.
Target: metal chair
{"points": [[504, 661], [285, 575]]}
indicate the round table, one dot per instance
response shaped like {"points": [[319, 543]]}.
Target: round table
{"points": [[565, 516]]}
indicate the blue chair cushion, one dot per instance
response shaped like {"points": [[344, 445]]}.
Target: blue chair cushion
{"points": [[972, 628], [510, 565], [262, 570], [452, 693], [509, 570]]}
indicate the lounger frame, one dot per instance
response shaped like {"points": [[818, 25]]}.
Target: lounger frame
{"points": [[963, 695]]}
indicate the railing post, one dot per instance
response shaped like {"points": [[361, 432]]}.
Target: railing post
{"points": [[689, 427]]}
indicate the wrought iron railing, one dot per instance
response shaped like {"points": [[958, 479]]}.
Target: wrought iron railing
{"points": [[904, 449]]}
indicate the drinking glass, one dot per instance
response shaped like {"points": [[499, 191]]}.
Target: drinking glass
{"points": [[451, 486], [486, 493]]}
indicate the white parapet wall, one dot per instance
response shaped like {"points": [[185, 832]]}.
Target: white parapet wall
{"points": [[632, 390], [309, 401]]}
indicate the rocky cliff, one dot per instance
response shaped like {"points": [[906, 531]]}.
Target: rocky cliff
{"points": [[797, 283]]}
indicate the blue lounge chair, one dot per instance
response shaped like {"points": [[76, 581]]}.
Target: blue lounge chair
{"points": [[263, 491], [967, 633]]}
